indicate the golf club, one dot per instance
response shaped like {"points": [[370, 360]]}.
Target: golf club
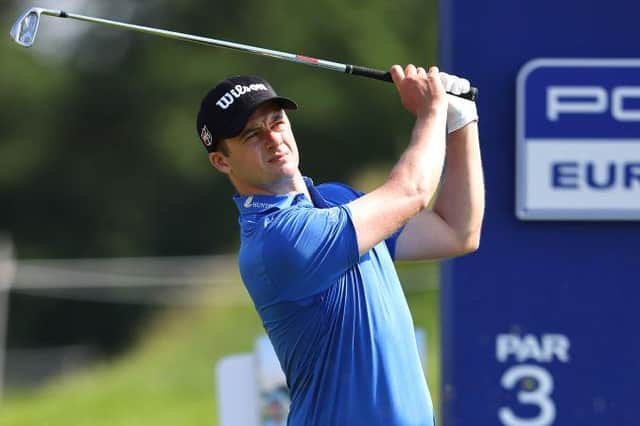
{"points": [[26, 27]]}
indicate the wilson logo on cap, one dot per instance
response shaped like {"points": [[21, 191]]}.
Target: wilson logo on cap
{"points": [[206, 137], [227, 99]]}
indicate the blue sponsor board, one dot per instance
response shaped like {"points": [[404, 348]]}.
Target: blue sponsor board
{"points": [[540, 325], [578, 139]]}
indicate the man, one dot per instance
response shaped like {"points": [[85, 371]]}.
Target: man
{"points": [[318, 260]]}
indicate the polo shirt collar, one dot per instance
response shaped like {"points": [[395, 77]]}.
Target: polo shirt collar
{"points": [[258, 203]]}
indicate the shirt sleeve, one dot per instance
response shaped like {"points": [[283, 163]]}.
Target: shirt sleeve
{"points": [[307, 249], [344, 194]]}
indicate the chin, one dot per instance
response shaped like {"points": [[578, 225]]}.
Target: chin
{"points": [[288, 167], [286, 173]]}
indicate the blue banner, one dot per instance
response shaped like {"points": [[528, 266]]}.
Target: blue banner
{"points": [[539, 326]]}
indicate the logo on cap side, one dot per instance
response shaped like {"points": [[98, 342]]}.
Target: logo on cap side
{"points": [[206, 137], [228, 98]]}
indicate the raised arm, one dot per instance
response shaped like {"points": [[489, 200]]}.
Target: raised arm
{"points": [[415, 177], [453, 227]]}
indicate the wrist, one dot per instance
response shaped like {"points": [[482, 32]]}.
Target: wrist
{"points": [[460, 112], [433, 110]]}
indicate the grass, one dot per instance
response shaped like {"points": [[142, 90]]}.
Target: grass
{"points": [[168, 376]]}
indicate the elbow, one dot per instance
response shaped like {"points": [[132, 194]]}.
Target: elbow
{"points": [[471, 246], [470, 243], [425, 194], [418, 194]]}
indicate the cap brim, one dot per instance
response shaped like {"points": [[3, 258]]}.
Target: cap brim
{"points": [[241, 120], [285, 103]]}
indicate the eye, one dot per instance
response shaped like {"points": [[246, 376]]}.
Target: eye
{"points": [[250, 135], [279, 125]]}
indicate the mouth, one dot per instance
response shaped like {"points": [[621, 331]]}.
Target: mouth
{"points": [[277, 158]]}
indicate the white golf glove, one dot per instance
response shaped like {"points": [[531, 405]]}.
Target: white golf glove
{"points": [[460, 111]]}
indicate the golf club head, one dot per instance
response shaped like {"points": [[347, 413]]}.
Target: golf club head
{"points": [[25, 28]]}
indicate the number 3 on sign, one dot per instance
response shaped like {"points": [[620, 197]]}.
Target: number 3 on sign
{"points": [[540, 396]]}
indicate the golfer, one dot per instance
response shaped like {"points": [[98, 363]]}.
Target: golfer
{"points": [[317, 260]]}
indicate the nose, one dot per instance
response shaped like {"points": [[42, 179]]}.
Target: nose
{"points": [[272, 139]]}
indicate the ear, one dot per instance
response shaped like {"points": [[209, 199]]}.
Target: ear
{"points": [[219, 161]]}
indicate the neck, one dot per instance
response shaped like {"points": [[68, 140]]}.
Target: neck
{"points": [[284, 186]]}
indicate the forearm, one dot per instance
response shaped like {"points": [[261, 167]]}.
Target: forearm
{"points": [[413, 180], [420, 166], [415, 176], [461, 199]]}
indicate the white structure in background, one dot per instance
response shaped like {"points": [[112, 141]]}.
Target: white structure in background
{"points": [[7, 274], [157, 281], [237, 390], [252, 389]]}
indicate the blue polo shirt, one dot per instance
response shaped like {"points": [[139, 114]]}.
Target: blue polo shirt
{"points": [[339, 322]]}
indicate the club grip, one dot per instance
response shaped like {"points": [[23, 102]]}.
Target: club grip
{"points": [[471, 95], [369, 72]]}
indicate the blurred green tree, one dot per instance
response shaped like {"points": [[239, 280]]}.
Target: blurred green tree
{"points": [[98, 146]]}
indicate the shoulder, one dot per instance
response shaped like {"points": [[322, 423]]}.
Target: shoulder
{"points": [[337, 192], [305, 230], [286, 240], [289, 223]]}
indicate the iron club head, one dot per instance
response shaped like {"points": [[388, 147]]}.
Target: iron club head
{"points": [[25, 28]]}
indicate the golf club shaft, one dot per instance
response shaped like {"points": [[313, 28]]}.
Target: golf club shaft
{"points": [[320, 63]]}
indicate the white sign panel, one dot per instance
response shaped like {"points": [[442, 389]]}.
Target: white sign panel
{"points": [[578, 140]]}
